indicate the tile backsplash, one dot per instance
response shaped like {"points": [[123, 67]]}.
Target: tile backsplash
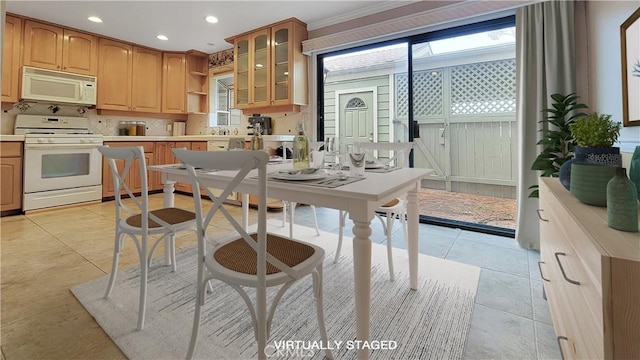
{"points": [[282, 123]]}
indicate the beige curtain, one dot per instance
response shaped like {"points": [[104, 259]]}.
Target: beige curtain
{"points": [[545, 57]]}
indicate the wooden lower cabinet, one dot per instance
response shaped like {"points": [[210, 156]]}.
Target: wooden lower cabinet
{"points": [[591, 276], [156, 153], [10, 176], [164, 155], [133, 179]]}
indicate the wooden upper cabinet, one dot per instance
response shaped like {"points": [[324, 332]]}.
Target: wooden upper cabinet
{"points": [[251, 70], [146, 93], [51, 47], [115, 74], [79, 53], [289, 77], [42, 45], [130, 77], [270, 70], [174, 83], [197, 82], [11, 58]]}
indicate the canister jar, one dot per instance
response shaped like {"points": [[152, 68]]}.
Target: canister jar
{"points": [[133, 128], [123, 128], [141, 128]]}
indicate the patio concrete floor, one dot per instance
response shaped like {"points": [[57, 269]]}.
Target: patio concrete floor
{"points": [[486, 210]]}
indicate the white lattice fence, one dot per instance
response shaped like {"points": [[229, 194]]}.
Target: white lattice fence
{"points": [[484, 88], [467, 122]]}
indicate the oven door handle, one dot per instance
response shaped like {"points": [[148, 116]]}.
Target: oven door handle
{"points": [[60, 146]]}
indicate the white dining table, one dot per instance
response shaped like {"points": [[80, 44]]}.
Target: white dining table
{"points": [[359, 198]]}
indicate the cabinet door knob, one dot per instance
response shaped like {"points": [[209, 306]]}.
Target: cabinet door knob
{"points": [[558, 254]]}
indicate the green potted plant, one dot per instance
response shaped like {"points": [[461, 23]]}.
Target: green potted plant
{"points": [[596, 157], [557, 140], [595, 135]]}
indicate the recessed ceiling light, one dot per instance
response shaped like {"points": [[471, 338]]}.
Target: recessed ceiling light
{"points": [[259, 66], [162, 37], [94, 19], [211, 19]]}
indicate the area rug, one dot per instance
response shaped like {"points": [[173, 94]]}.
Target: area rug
{"points": [[430, 323]]}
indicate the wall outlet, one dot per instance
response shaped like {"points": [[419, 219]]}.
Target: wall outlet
{"points": [[108, 123], [169, 127]]}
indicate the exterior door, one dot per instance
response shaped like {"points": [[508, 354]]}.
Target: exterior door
{"points": [[357, 122]]}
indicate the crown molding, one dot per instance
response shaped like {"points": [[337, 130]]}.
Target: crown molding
{"points": [[365, 11], [410, 24]]}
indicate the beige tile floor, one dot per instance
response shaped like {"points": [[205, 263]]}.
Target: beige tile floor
{"points": [[43, 255]]}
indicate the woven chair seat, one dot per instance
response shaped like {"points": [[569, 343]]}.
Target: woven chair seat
{"points": [[391, 203], [239, 256], [169, 215]]}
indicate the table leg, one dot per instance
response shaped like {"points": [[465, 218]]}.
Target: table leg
{"points": [[362, 281], [168, 200], [245, 211], [412, 242]]}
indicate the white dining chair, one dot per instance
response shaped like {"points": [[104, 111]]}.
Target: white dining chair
{"points": [[397, 156], [135, 219], [254, 259]]}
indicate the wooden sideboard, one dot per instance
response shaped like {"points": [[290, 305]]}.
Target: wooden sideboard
{"points": [[591, 277]]}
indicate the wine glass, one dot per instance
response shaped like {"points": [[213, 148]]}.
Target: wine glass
{"points": [[332, 147]]}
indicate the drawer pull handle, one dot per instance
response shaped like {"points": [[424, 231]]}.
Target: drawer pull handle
{"points": [[560, 346], [540, 215], [562, 269], [540, 268]]}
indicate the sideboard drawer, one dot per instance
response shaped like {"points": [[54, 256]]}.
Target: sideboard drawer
{"points": [[592, 270]]}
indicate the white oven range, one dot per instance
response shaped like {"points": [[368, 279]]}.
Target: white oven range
{"points": [[62, 164]]}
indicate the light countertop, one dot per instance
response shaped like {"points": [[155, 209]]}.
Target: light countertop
{"points": [[196, 138], [4, 137], [7, 137]]}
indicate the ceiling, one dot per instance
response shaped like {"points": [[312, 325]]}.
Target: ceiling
{"points": [[183, 22]]}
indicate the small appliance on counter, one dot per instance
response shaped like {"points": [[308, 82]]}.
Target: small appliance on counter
{"points": [[263, 121], [179, 128]]}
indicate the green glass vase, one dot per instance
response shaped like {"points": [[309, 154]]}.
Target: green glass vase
{"points": [[622, 206]]}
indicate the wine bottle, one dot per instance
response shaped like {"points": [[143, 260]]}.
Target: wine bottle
{"points": [[256, 140], [300, 149]]}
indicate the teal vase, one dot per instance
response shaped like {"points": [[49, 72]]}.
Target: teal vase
{"points": [[622, 206], [634, 170], [589, 182]]}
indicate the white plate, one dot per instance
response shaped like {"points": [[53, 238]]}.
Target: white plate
{"points": [[284, 175]]}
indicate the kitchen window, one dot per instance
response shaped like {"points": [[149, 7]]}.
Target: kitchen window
{"points": [[223, 113]]}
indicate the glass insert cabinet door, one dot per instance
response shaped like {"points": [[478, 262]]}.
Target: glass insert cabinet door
{"points": [[242, 72], [261, 66], [281, 63]]}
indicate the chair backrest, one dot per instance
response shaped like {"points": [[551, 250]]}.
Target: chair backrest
{"points": [[244, 163], [394, 154], [129, 172]]}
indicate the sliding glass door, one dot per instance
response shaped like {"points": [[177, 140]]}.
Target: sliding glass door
{"points": [[458, 107]]}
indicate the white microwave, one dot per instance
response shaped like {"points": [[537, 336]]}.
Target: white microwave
{"points": [[58, 87]]}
